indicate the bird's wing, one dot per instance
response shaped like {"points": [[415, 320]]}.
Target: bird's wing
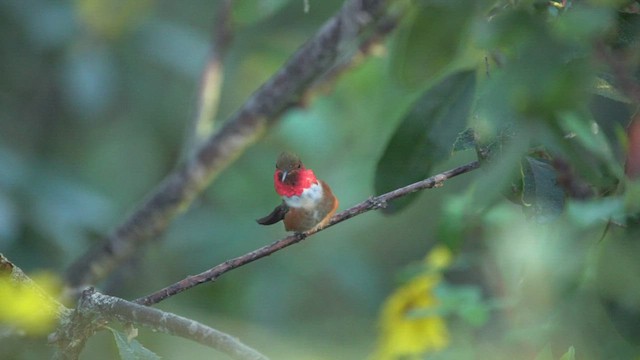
{"points": [[276, 215]]}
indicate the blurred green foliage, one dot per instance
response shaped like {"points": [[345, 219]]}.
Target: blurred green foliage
{"points": [[96, 101], [425, 136], [131, 349]]}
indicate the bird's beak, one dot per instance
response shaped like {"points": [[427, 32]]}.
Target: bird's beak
{"points": [[283, 176]]}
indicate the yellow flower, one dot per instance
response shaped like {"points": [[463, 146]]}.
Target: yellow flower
{"points": [[24, 306], [406, 336], [439, 258]]}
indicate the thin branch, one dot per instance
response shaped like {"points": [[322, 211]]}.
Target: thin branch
{"points": [[97, 308], [372, 203], [211, 79], [247, 125]]}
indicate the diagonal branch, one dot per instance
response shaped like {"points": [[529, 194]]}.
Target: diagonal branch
{"points": [[248, 124], [373, 203], [95, 309]]}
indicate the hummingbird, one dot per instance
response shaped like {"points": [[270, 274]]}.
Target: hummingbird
{"points": [[307, 203]]}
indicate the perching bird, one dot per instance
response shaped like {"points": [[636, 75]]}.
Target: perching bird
{"points": [[308, 203]]}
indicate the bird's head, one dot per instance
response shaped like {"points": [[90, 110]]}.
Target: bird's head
{"points": [[291, 177]]}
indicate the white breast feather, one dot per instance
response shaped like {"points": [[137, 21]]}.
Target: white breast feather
{"points": [[308, 199]]}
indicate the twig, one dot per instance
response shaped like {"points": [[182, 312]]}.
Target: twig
{"points": [[97, 309], [248, 124], [372, 203], [211, 79]]}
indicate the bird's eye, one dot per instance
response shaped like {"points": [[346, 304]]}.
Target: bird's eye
{"points": [[298, 166]]}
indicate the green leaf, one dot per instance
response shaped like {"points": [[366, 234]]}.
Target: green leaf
{"points": [[132, 349], [545, 353], [604, 88], [463, 301], [474, 314], [582, 24], [250, 12], [466, 140], [430, 41], [455, 221], [628, 31], [588, 134], [542, 197], [528, 84], [490, 147], [590, 150], [570, 354], [501, 164], [426, 135], [588, 213]]}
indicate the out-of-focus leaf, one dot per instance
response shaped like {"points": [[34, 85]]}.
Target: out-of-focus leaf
{"points": [[570, 354], [589, 148], [132, 349], [463, 301], [588, 133], [474, 314], [604, 88], [166, 43], [466, 140], [500, 166], [90, 80], [631, 196], [48, 24], [596, 211], [426, 135], [489, 146], [529, 85], [248, 12], [582, 23], [628, 34], [542, 198], [616, 282], [506, 29], [545, 353], [455, 221], [430, 41], [613, 118]]}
